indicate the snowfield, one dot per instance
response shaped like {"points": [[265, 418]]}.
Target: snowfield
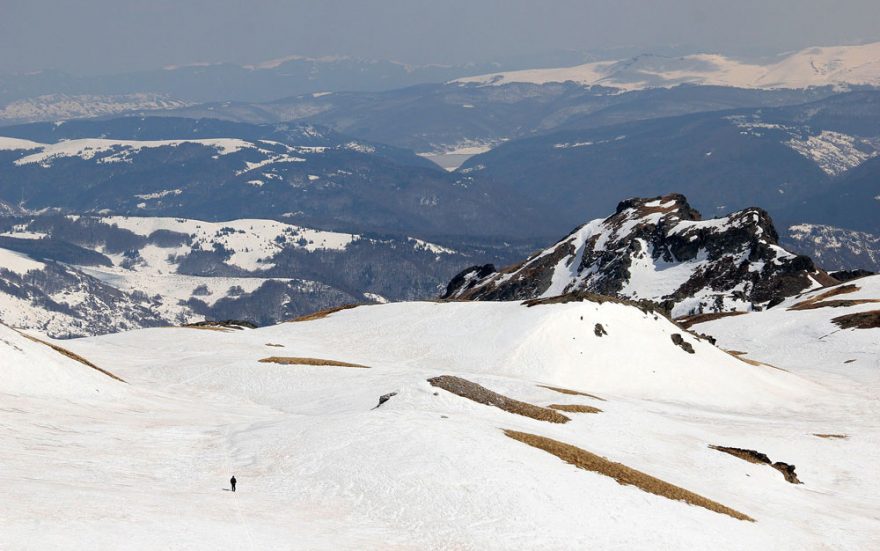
{"points": [[100, 464], [838, 66]]}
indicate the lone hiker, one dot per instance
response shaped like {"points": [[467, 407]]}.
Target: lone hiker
{"points": [[232, 482]]}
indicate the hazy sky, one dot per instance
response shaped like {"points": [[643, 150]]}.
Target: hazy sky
{"points": [[102, 36]]}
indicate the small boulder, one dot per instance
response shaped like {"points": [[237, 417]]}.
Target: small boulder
{"points": [[679, 341]]}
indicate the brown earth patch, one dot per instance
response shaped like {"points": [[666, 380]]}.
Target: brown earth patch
{"points": [[72, 356], [570, 392], [688, 321], [235, 325], [325, 312], [645, 306], [288, 360], [862, 320], [480, 394], [753, 456], [832, 436], [574, 408], [624, 475], [810, 303]]}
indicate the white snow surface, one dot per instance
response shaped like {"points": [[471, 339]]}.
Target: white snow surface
{"points": [[838, 66], [319, 468], [18, 263], [34, 369]]}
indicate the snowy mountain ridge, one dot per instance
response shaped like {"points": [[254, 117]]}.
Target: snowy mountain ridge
{"points": [[59, 107], [75, 275], [659, 250], [836, 66]]}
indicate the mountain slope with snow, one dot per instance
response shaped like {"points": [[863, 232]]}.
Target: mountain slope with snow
{"points": [[658, 250], [837, 66], [320, 466], [81, 275], [815, 332]]}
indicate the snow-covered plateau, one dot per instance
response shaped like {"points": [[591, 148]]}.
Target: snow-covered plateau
{"points": [[89, 461], [837, 66]]}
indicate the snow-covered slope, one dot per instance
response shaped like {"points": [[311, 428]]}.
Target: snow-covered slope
{"points": [[837, 66], [34, 368], [660, 250], [801, 334], [319, 466]]}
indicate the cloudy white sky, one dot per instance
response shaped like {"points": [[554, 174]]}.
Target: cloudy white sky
{"points": [[103, 36]]}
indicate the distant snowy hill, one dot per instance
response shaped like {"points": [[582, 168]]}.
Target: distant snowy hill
{"points": [[79, 275], [836, 66], [659, 250], [59, 107]]}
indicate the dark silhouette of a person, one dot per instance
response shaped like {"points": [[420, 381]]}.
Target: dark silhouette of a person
{"points": [[232, 482]]}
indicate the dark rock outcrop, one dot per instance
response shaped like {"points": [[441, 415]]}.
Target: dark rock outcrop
{"points": [[658, 250]]}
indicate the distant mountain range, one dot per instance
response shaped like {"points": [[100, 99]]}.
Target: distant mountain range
{"points": [[71, 275], [216, 170], [42, 95], [836, 66]]}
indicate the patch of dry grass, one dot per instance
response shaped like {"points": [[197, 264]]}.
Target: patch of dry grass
{"points": [[324, 313], [72, 356], [862, 320], [571, 392], [687, 321], [574, 408], [621, 473], [817, 301], [480, 394], [646, 306], [290, 360], [832, 436]]}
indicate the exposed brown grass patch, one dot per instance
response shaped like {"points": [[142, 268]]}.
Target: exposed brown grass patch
{"points": [[687, 321], [324, 313], [235, 325], [817, 301], [570, 392], [574, 408], [290, 360], [72, 356], [480, 394], [621, 473], [646, 306], [759, 458], [862, 320], [831, 436]]}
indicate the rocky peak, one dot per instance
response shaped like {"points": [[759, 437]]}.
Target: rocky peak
{"points": [[657, 249]]}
